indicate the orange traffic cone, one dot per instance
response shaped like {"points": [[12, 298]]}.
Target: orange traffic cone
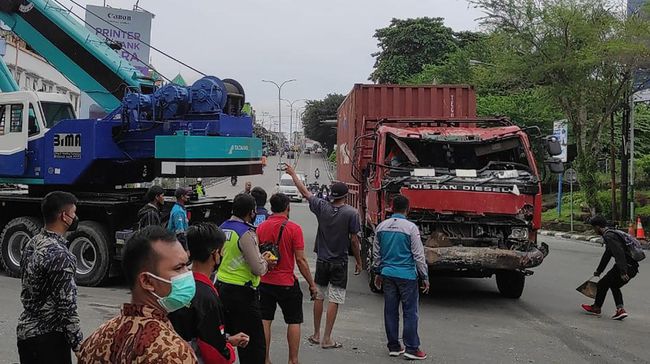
{"points": [[640, 233]]}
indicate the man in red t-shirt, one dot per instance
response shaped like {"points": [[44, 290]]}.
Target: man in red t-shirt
{"points": [[279, 286]]}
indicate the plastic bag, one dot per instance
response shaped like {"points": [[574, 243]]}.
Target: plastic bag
{"points": [[588, 288]]}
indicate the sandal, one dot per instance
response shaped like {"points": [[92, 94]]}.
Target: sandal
{"points": [[336, 345], [312, 340]]}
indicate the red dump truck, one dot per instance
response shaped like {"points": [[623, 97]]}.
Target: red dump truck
{"points": [[473, 182]]}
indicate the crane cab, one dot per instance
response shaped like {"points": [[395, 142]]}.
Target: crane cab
{"points": [[25, 116]]}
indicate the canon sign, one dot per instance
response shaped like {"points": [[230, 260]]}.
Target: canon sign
{"points": [[119, 17]]}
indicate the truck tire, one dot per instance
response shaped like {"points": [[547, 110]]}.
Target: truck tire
{"points": [[90, 245], [15, 235], [511, 283]]}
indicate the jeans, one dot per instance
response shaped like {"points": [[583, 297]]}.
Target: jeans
{"points": [[243, 314], [404, 291], [46, 348], [612, 280]]}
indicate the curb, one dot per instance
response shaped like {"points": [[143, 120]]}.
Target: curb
{"points": [[580, 238]]}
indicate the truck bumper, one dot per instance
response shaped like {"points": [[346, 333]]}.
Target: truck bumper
{"points": [[460, 258]]}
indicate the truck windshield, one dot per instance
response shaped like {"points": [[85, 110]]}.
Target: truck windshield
{"points": [[55, 112], [457, 155]]}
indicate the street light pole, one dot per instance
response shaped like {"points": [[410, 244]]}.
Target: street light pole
{"points": [[291, 141], [280, 113]]}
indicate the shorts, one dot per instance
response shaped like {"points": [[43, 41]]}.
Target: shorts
{"points": [[289, 298], [332, 277], [334, 294]]}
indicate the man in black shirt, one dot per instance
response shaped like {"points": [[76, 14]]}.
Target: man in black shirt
{"points": [[150, 214], [202, 324], [624, 269]]}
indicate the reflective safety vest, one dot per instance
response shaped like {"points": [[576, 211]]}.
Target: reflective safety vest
{"points": [[233, 268]]}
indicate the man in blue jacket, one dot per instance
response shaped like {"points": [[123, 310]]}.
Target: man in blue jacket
{"points": [[178, 222], [399, 261]]}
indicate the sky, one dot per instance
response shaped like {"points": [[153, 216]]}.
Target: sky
{"points": [[325, 45]]}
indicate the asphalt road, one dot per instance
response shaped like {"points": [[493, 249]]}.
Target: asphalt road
{"points": [[461, 320]]}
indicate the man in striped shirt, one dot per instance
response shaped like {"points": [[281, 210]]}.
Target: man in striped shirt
{"points": [[398, 256]]}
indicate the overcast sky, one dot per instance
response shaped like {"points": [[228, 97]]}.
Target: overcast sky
{"points": [[325, 45]]}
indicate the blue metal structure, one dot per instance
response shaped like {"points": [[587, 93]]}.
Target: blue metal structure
{"points": [[193, 131]]}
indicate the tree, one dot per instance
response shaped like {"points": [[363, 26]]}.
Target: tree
{"points": [[318, 111], [582, 52], [405, 46]]}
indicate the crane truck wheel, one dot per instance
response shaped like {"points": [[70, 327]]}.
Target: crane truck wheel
{"points": [[510, 283], [90, 245], [13, 239]]}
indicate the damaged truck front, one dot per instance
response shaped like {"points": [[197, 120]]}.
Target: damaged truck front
{"points": [[473, 183]]}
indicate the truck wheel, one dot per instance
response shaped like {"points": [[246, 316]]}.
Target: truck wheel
{"points": [[90, 245], [511, 283], [12, 242]]}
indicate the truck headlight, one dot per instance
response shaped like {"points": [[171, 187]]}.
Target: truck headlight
{"points": [[519, 234]]}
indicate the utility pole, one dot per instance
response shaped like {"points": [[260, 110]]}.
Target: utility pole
{"points": [[632, 157]]}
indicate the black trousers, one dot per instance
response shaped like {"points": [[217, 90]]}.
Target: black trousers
{"points": [[243, 314], [47, 348], [612, 280]]}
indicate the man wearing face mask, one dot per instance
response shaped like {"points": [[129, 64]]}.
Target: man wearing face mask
{"points": [[202, 324], [155, 268], [239, 276], [178, 222], [49, 325]]}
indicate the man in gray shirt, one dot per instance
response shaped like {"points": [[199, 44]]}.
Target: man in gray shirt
{"points": [[338, 229]]}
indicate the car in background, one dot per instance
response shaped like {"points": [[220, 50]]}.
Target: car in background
{"points": [[308, 150], [287, 186], [319, 150]]}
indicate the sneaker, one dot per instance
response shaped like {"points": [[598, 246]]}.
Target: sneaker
{"points": [[620, 314], [591, 310], [397, 352], [418, 355]]}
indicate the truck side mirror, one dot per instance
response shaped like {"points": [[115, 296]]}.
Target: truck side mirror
{"points": [[555, 165], [552, 145]]}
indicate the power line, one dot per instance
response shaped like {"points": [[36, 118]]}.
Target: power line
{"points": [[145, 43]]}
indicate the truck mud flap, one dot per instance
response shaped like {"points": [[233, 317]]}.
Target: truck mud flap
{"points": [[462, 258]]}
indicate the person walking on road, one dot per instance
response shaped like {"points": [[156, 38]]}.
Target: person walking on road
{"points": [[338, 229], [398, 262], [150, 214], [200, 190], [178, 222], [155, 269], [48, 327], [202, 324], [279, 286], [239, 277], [261, 213], [624, 269]]}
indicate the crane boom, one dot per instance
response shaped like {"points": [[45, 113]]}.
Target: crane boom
{"points": [[7, 81], [87, 61]]}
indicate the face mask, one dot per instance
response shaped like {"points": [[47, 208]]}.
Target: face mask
{"points": [[183, 289], [216, 265], [74, 224]]}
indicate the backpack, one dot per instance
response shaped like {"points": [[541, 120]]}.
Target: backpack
{"points": [[632, 244], [273, 246]]}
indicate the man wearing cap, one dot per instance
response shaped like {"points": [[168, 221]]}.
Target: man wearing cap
{"points": [[338, 228], [178, 222]]}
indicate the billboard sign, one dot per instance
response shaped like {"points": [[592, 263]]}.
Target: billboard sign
{"points": [[131, 29], [561, 131]]}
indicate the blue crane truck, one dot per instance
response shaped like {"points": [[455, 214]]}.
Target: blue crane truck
{"points": [[149, 132]]}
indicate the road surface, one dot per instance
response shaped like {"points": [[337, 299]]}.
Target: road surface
{"points": [[461, 320]]}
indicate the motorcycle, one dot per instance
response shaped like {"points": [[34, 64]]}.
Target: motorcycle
{"points": [[233, 180], [314, 188], [316, 173]]}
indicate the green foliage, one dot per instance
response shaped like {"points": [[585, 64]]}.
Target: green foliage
{"points": [[581, 52], [406, 46], [531, 107], [318, 111], [332, 157]]}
